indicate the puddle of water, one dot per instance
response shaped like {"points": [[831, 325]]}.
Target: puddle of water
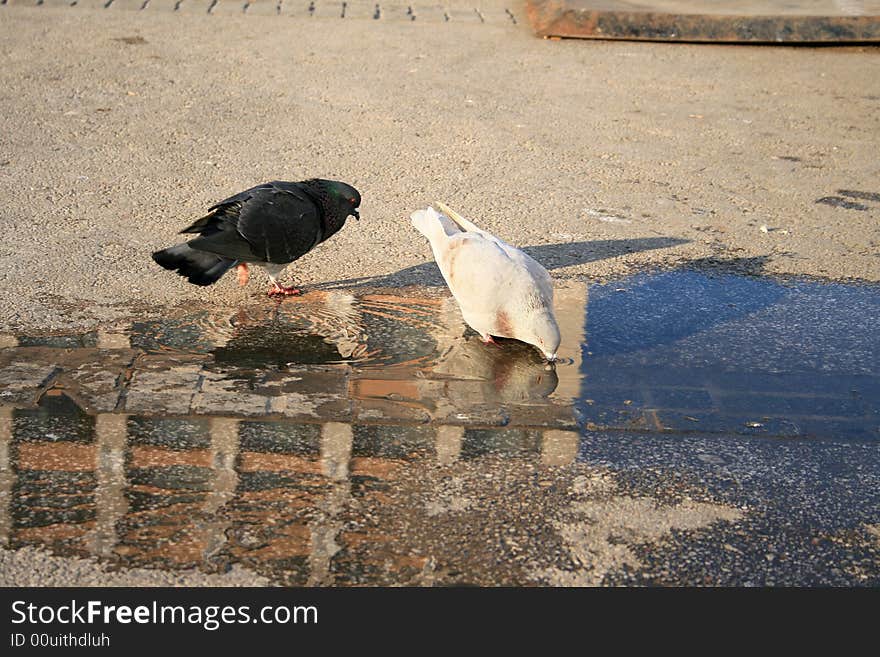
{"points": [[678, 351], [297, 502], [690, 352], [320, 327], [306, 439]]}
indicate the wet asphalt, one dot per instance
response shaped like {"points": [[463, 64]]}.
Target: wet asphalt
{"points": [[701, 428]]}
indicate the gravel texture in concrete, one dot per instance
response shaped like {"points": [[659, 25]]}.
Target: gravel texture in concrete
{"points": [[117, 128]]}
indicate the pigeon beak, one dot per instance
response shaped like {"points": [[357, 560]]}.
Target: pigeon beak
{"points": [[356, 215], [551, 358]]}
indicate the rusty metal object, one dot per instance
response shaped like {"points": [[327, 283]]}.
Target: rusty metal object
{"points": [[727, 22]]}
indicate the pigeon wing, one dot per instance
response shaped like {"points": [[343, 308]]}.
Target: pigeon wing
{"points": [[494, 291], [266, 223], [540, 276], [482, 278], [537, 272], [281, 224], [218, 234]]}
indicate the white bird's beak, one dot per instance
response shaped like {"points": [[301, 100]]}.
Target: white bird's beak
{"points": [[551, 358]]}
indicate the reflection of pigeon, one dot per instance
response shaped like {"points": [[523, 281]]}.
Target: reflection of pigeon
{"points": [[278, 333], [509, 375], [502, 291], [270, 225], [333, 315]]}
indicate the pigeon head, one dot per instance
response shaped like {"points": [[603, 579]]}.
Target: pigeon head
{"points": [[540, 329], [338, 201]]}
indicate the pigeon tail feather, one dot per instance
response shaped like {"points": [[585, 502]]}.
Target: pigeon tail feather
{"points": [[463, 223], [198, 267], [433, 225]]}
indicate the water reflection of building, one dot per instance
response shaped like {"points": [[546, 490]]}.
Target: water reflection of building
{"points": [[176, 443], [206, 492]]}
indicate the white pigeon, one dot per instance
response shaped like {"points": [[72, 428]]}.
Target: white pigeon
{"points": [[501, 291]]}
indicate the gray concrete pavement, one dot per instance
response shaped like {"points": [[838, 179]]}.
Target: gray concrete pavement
{"points": [[117, 127]]}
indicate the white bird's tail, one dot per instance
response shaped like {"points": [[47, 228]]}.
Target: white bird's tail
{"points": [[458, 219], [432, 224]]}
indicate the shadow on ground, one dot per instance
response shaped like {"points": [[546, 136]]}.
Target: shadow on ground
{"points": [[552, 256]]}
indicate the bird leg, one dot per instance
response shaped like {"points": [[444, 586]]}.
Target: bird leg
{"points": [[487, 339], [243, 274], [278, 289], [283, 290]]}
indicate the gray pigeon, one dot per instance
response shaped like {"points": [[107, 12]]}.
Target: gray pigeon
{"points": [[270, 225]]}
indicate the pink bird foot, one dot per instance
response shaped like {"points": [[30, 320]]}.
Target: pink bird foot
{"points": [[283, 291], [243, 274], [487, 340]]}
